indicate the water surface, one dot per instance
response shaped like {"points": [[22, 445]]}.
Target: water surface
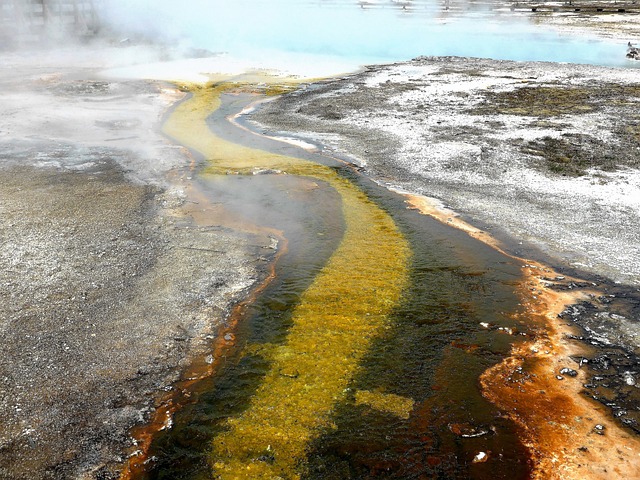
{"points": [[359, 360], [366, 31]]}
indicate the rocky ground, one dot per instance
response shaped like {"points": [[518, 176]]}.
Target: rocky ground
{"points": [[107, 288]]}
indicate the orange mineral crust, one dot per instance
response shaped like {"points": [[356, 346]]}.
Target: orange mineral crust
{"points": [[569, 435]]}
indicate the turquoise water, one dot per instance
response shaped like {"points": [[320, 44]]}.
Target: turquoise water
{"points": [[368, 31]]}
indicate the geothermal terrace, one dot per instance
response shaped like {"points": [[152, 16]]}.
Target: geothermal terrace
{"points": [[211, 266]]}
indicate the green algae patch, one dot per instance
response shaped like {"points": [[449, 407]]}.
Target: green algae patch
{"points": [[564, 157], [348, 306], [574, 154], [275, 89], [556, 100], [632, 132], [396, 405]]}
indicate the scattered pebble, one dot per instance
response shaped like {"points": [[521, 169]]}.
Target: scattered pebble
{"points": [[481, 457], [629, 379], [466, 430]]}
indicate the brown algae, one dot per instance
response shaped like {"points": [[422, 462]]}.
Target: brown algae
{"points": [[347, 306], [542, 101]]}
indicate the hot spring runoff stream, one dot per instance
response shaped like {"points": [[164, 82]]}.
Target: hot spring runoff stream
{"points": [[360, 355]]}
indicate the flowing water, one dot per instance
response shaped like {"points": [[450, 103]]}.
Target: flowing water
{"points": [[361, 357]]}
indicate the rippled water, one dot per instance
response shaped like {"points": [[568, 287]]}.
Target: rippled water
{"points": [[366, 31]]}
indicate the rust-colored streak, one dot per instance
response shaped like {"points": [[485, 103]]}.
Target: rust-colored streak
{"points": [[199, 209], [558, 422]]}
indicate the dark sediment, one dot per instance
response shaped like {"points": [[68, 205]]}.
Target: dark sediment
{"points": [[609, 323]]}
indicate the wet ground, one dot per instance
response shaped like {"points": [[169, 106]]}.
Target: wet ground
{"points": [[609, 324], [107, 286]]}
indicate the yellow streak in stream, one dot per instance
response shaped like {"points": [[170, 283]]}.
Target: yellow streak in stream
{"points": [[339, 315]]}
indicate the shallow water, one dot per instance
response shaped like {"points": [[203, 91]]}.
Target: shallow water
{"points": [[433, 355], [404, 402]]}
